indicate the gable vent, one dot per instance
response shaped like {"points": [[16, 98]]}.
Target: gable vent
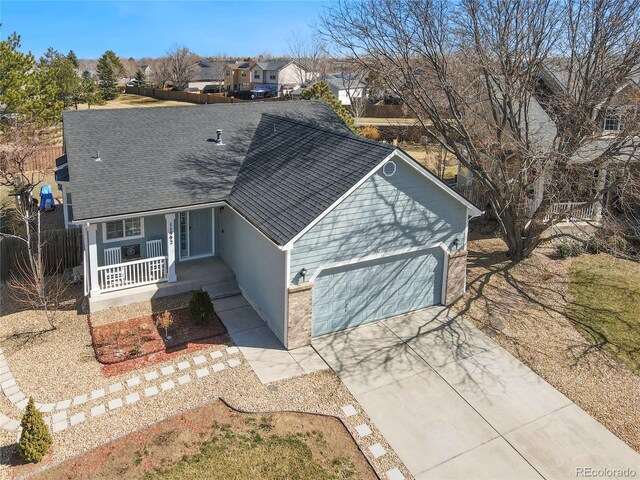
{"points": [[389, 169]]}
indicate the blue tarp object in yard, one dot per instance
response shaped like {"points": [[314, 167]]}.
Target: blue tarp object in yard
{"points": [[47, 202]]}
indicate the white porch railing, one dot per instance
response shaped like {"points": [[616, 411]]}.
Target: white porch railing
{"points": [[571, 211], [132, 274]]}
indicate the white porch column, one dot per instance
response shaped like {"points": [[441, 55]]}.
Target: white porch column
{"points": [[171, 246], [93, 259]]}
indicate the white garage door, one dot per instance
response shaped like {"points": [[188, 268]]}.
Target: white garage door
{"points": [[348, 296]]}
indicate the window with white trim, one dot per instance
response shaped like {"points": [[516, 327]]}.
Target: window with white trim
{"points": [[69, 207], [612, 122], [272, 76], [123, 229], [256, 74]]}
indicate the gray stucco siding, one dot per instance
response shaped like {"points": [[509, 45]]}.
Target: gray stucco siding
{"points": [[384, 214], [259, 267], [155, 228]]}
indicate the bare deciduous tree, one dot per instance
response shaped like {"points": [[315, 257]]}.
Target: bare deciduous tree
{"points": [[472, 72], [21, 166], [29, 285], [181, 63], [310, 54], [160, 72], [22, 169]]}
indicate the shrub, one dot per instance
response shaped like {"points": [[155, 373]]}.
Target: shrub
{"points": [[566, 250], [371, 132], [200, 307], [35, 439]]}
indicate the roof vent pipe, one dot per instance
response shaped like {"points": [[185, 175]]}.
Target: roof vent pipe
{"points": [[219, 137]]}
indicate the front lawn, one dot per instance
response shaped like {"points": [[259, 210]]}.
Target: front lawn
{"points": [[217, 442], [605, 305]]}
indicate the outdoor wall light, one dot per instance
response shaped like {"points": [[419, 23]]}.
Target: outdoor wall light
{"points": [[303, 273], [456, 242]]}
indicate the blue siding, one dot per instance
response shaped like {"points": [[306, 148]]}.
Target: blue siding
{"points": [[155, 228], [259, 266], [384, 214]]}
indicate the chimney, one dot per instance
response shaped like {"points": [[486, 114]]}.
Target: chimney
{"points": [[219, 137]]}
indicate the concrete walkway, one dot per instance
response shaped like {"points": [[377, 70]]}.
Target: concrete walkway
{"points": [[455, 405], [262, 349]]}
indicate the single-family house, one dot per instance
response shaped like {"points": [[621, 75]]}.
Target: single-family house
{"points": [[282, 75], [346, 87], [209, 76], [237, 76], [318, 228], [552, 82]]}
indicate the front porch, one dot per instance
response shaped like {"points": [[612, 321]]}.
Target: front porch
{"points": [[210, 274], [138, 258]]}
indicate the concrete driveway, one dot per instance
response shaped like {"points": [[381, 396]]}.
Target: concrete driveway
{"points": [[455, 405]]}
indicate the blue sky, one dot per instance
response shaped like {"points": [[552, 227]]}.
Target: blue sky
{"points": [[145, 28]]}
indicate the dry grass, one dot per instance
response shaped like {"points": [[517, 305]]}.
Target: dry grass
{"points": [[523, 308], [427, 157], [129, 100], [231, 444], [605, 295]]}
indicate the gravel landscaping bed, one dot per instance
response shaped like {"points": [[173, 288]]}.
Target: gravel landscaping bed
{"points": [[60, 364], [523, 307], [137, 337], [321, 392]]}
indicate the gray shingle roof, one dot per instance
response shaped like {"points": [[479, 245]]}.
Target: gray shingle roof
{"points": [[294, 171], [273, 64], [209, 70], [62, 174], [165, 157]]}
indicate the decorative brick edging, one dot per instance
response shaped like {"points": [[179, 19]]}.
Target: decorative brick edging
{"points": [[152, 383]]}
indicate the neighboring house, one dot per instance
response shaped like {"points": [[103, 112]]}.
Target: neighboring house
{"points": [[209, 76], [320, 229], [237, 76], [146, 69], [282, 75], [552, 81], [346, 87]]}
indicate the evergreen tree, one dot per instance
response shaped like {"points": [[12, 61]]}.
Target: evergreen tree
{"points": [[141, 78], [59, 75], [90, 93], [321, 91], [35, 439], [108, 69], [22, 89], [73, 58]]}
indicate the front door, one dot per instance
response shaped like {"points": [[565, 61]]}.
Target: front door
{"points": [[196, 233]]}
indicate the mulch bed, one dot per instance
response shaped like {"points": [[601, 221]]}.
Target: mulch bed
{"points": [[137, 342]]}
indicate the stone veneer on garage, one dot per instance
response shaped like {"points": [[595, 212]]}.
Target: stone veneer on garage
{"points": [[300, 309], [456, 276]]}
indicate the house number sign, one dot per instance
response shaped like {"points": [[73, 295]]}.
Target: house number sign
{"points": [[170, 232]]}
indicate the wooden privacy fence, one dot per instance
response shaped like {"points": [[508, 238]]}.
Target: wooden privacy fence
{"points": [[189, 97], [387, 111], [45, 157], [61, 249], [200, 98]]}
